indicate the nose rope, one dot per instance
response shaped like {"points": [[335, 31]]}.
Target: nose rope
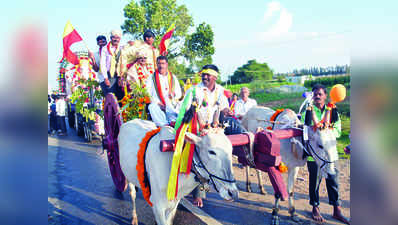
{"points": [[211, 175], [323, 160]]}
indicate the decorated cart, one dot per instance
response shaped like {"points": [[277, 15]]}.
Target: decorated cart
{"points": [[85, 98]]}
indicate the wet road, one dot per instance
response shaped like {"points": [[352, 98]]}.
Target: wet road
{"points": [[81, 191]]}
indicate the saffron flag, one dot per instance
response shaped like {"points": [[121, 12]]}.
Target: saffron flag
{"points": [[70, 36], [164, 43]]}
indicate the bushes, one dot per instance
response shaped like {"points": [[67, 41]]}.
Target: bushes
{"points": [[328, 81]]}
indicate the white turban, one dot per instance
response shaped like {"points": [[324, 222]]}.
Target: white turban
{"points": [[116, 32]]}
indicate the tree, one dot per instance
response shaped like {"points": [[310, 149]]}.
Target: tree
{"points": [[157, 16], [199, 46], [252, 71]]}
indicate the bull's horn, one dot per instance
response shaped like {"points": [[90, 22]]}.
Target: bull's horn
{"points": [[216, 117]]}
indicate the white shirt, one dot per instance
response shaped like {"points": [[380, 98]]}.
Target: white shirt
{"points": [[105, 60], [241, 107], [60, 107], [202, 93], [164, 83], [97, 58]]}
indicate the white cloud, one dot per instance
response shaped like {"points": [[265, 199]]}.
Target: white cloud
{"points": [[271, 8], [281, 26]]}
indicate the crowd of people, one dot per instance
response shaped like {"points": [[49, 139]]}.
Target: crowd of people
{"points": [[150, 70]]}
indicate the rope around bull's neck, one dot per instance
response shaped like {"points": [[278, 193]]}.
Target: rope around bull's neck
{"points": [[211, 176]]}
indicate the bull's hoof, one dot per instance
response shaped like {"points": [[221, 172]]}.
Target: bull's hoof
{"points": [[275, 220], [262, 191], [293, 216], [134, 220], [248, 188]]}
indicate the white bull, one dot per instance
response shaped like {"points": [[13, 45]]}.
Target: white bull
{"points": [[214, 150], [322, 142]]}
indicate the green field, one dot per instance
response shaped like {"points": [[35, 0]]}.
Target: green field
{"points": [[293, 101]]}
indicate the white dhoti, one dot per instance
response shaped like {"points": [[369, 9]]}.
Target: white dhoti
{"points": [[161, 118]]}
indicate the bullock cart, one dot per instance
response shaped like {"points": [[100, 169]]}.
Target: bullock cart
{"points": [[263, 156]]}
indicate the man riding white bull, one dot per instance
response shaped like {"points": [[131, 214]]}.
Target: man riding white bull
{"points": [[165, 90], [332, 181], [209, 97]]}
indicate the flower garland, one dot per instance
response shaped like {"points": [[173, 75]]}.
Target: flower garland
{"points": [[273, 117], [282, 167], [141, 76], [141, 173]]}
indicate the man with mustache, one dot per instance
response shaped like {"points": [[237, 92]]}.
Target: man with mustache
{"points": [[332, 185], [109, 58], [209, 96], [165, 90]]}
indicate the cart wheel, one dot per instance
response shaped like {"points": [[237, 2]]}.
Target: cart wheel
{"points": [[112, 121]]}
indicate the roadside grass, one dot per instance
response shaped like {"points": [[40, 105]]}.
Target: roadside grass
{"points": [[344, 138], [256, 86]]}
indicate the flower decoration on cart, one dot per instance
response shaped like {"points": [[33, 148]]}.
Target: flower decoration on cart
{"points": [[134, 103], [86, 90]]}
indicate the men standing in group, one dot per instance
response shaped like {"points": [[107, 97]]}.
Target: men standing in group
{"points": [[108, 63], [165, 90], [244, 103], [332, 185]]}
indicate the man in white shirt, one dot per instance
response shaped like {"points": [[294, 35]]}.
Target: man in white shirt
{"points": [[209, 96], [109, 58], [61, 113], [96, 58], [244, 104], [164, 90]]}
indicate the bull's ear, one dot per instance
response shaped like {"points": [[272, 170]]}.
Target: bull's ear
{"points": [[192, 138]]}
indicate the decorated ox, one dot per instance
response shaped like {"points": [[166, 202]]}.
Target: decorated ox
{"points": [[321, 145], [212, 160]]}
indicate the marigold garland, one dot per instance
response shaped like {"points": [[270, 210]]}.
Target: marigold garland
{"points": [[273, 117], [282, 168], [146, 192]]}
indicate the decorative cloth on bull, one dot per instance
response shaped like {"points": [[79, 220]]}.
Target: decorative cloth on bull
{"points": [[141, 173], [183, 154]]}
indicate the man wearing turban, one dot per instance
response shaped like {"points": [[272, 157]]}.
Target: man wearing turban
{"points": [[108, 62]]}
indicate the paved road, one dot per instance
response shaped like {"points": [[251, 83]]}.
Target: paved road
{"points": [[81, 191]]}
